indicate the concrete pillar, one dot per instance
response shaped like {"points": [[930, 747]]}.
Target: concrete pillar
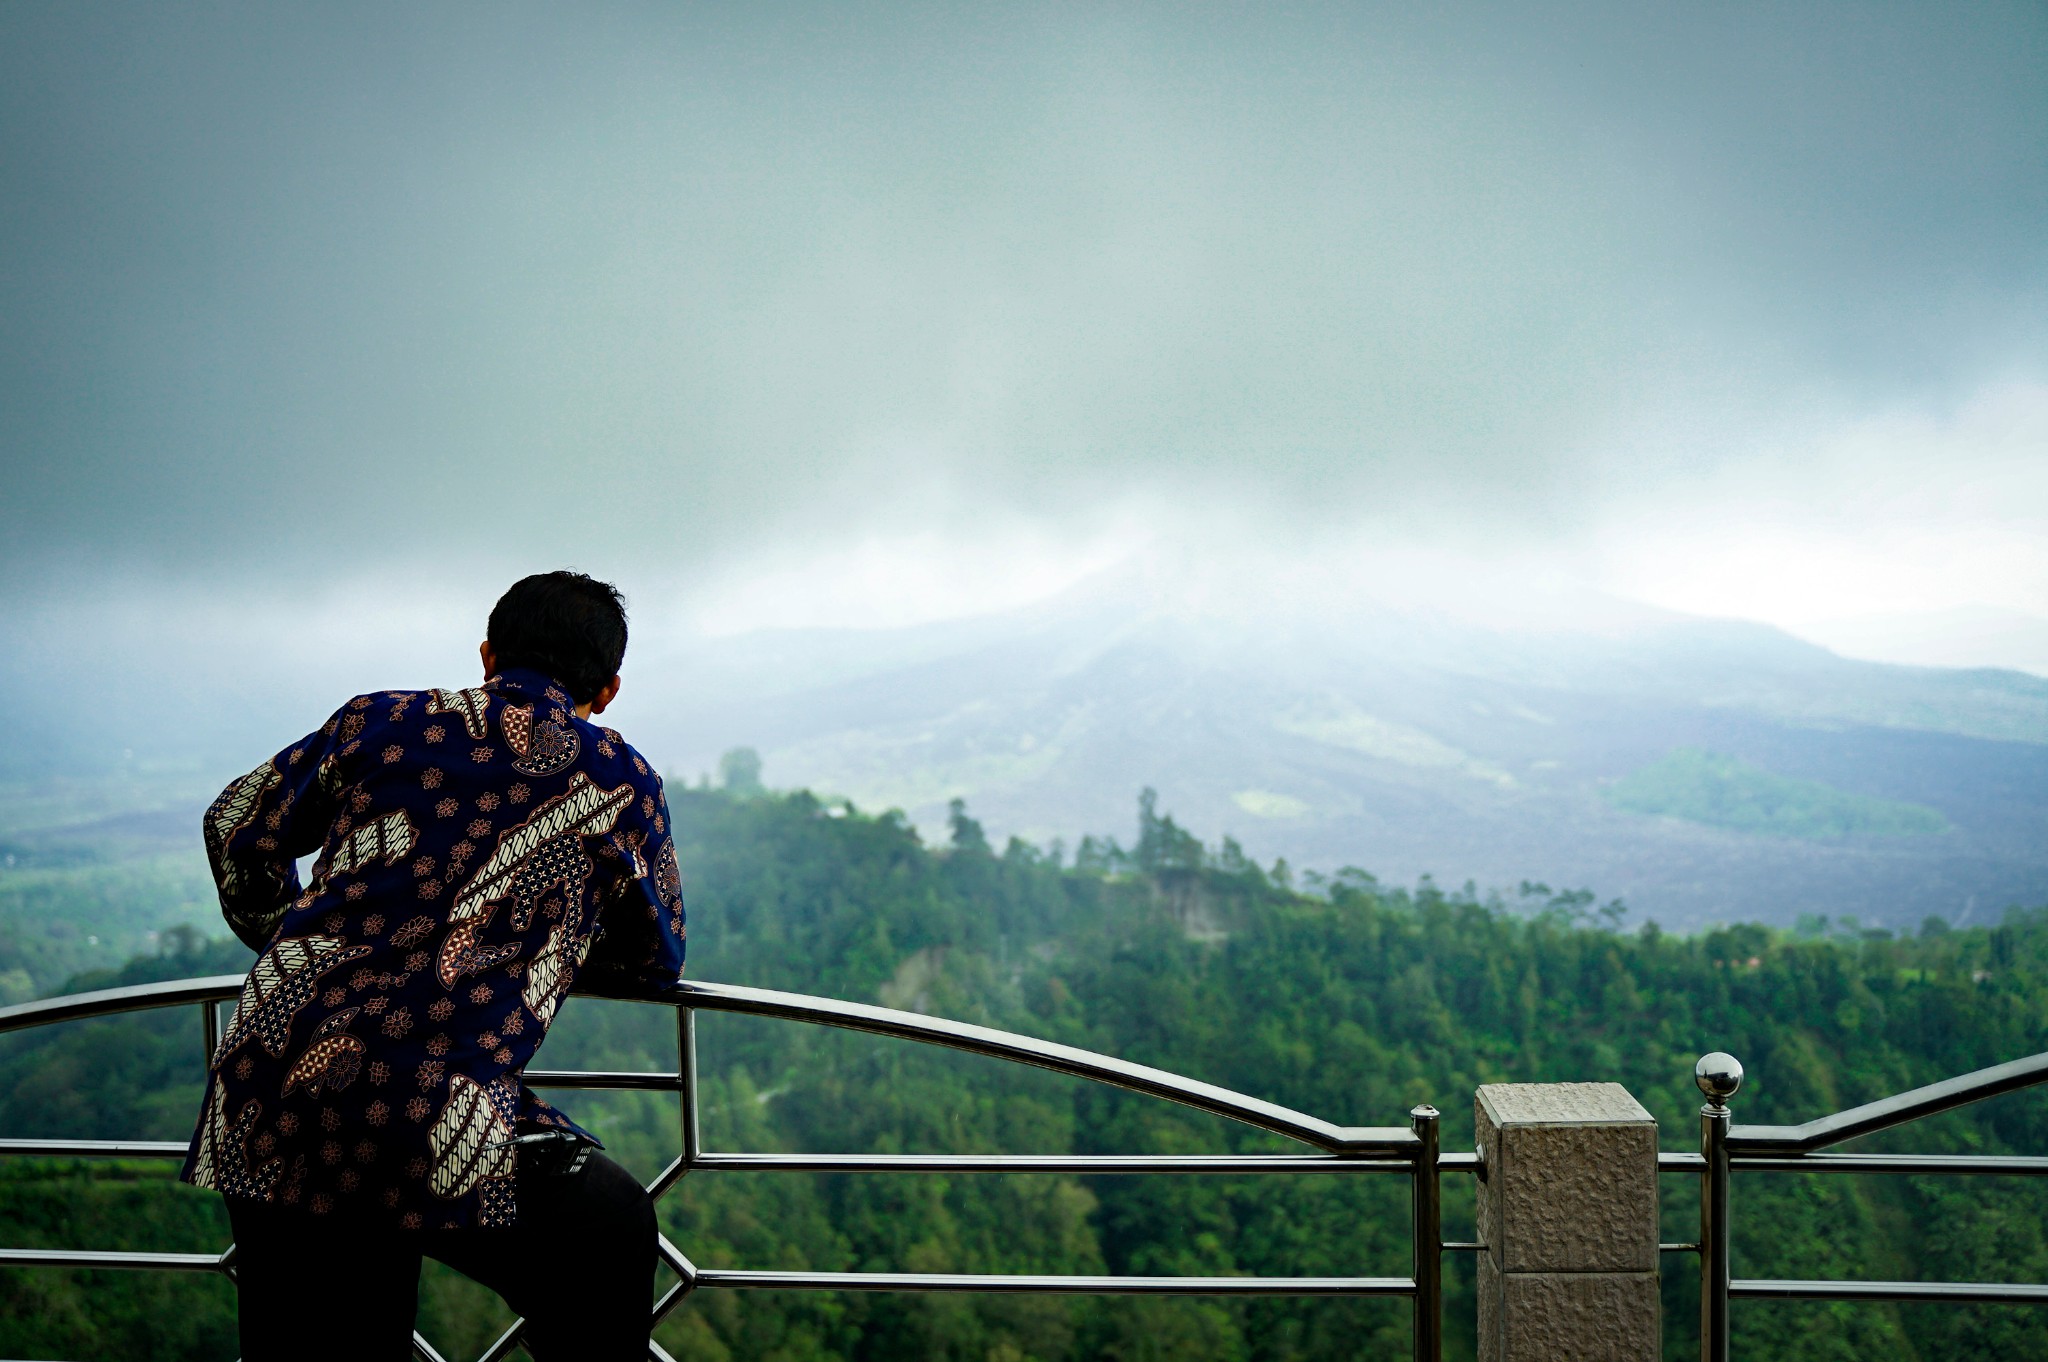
{"points": [[1568, 1214]]}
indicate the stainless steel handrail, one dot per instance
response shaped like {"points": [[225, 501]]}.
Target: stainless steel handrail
{"points": [[106, 1002], [1025, 1282], [1412, 1150], [96, 1149], [1981, 1293], [1726, 1148], [982, 1040], [1896, 1110], [1979, 1165], [1093, 1164]]}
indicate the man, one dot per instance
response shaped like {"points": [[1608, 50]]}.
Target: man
{"points": [[481, 852]]}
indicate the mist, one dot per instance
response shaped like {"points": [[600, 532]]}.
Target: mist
{"points": [[294, 298], [319, 327]]}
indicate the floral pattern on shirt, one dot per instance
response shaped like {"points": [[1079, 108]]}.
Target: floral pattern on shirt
{"points": [[373, 1060]]}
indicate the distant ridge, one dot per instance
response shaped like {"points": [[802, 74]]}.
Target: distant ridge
{"points": [[1463, 729], [1477, 743]]}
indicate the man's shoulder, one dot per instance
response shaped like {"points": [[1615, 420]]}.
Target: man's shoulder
{"points": [[464, 707], [362, 716], [608, 746], [395, 704]]}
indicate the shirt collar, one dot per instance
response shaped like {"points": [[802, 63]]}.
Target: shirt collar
{"points": [[525, 683]]}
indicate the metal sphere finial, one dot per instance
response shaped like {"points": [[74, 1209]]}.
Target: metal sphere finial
{"points": [[1719, 1075]]}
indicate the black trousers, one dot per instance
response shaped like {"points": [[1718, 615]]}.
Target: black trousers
{"points": [[579, 1266]]}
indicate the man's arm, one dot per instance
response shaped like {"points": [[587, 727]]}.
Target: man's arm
{"points": [[638, 951], [262, 823]]}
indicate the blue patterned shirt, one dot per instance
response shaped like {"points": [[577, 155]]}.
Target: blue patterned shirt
{"points": [[481, 852]]}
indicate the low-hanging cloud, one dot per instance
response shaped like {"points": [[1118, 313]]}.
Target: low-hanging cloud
{"points": [[306, 294]]}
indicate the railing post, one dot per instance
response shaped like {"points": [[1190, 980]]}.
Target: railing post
{"points": [[1429, 1240], [1718, 1076], [1568, 1215], [209, 1027], [686, 1074]]}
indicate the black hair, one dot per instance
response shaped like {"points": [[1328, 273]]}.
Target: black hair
{"points": [[566, 624]]}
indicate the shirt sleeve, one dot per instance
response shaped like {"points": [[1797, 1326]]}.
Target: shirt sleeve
{"points": [[262, 823], [639, 947]]}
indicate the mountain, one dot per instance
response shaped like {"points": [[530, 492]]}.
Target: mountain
{"points": [[1986, 634], [1491, 730], [1524, 739]]}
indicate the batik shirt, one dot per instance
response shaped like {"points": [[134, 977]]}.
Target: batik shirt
{"points": [[481, 852]]}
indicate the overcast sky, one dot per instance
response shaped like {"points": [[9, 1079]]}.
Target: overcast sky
{"points": [[799, 313]]}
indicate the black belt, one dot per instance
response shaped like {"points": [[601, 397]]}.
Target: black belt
{"points": [[549, 1153]]}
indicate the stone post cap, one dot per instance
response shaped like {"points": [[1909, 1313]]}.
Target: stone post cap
{"points": [[1561, 1104], [1568, 1177]]}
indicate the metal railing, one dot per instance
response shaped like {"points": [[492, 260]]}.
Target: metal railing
{"points": [[1411, 1150], [1726, 1149]]}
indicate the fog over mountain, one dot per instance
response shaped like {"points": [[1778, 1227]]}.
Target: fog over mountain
{"points": [[866, 344], [1700, 770]]}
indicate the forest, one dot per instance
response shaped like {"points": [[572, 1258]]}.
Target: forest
{"points": [[1338, 995]]}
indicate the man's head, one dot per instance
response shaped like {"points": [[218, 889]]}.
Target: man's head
{"points": [[565, 624]]}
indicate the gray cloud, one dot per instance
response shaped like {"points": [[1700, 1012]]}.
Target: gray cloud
{"points": [[306, 293]]}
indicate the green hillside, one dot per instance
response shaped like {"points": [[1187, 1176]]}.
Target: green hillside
{"points": [[1345, 998], [1726, 792]]}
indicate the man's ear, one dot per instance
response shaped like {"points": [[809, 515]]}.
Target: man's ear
{"points": [[489, 655], [605, 695]]}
